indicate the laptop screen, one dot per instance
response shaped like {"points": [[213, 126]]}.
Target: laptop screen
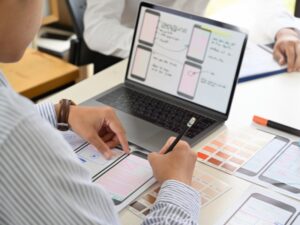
{"points": [[192, 58]]}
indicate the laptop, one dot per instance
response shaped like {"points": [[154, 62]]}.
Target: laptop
{"points": [[180, 66]]}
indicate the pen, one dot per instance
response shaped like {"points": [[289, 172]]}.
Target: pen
{"points": [[188, 126], [275, 125]]}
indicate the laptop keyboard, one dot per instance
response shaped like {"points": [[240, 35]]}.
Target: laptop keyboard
{"points": [[155, 111]]}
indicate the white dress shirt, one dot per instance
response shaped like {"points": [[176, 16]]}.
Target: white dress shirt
{"points": [[274, 17], [262, 19], [43, 182], [109, 23]]}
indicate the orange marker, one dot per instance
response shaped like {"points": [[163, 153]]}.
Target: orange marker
{"points": [[278, 126]]}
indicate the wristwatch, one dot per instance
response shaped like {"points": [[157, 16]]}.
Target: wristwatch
{"points": [[63, 114]]}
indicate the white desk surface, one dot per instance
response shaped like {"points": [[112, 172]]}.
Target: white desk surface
{"points": [[275, 98]]}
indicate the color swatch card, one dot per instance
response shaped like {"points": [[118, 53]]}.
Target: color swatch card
{"points": [[233, 148], [261, 207], [209, 187], [142, 206]]}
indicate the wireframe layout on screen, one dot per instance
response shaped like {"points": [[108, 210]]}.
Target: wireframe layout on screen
{"points": [[192, 60]]}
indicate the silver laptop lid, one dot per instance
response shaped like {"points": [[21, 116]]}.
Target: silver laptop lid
{"points": [[189, 57]]}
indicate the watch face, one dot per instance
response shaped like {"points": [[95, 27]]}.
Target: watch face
{"points": [[62, 126]]}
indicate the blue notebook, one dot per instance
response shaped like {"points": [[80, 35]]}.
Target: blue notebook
{"points": [[258, 62]]}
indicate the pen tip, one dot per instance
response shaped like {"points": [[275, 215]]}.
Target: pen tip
{"points": [[191, 122]]}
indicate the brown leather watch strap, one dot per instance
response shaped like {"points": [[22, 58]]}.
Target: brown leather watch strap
{"points": [[63, 115]]}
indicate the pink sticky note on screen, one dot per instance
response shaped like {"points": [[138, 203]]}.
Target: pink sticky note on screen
{"points": [[189, 80], [199, 43], [141, 62], [149, 27]]}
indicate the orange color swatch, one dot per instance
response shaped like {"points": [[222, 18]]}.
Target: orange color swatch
{"points": [[233, 148], [209, 149], [209, 187], [202, 155]]}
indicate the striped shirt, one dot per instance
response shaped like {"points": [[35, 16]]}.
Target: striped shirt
{"points": [[42, 181]]}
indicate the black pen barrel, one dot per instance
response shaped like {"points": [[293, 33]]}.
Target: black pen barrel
{"points": [[284, 128]]}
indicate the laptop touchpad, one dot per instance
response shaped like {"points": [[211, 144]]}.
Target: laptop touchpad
{"points": [[142, 132]]}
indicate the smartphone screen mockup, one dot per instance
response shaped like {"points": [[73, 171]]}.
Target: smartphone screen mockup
{"points": [[189, 80], [198, 44], [149, 27], [296, 221], [284, 172], [260, 209], [264, 156], [141, 63], [94, 161], [126, 177]]}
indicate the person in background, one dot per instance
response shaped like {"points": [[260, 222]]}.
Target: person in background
{"points": [[117, 19], [41, 178], [283, 29]]}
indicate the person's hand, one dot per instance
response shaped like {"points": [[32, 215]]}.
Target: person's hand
{"points": [[177, 165], [99, 126], [287, 49]]}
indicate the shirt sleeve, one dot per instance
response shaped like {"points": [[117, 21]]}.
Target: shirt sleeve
{"points": [[274, 17], [177, 203], [103, 29], [47, 111], [43, 182]]}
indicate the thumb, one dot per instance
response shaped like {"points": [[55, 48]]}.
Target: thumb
{"points": [[153, 157], [100, 145]]}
